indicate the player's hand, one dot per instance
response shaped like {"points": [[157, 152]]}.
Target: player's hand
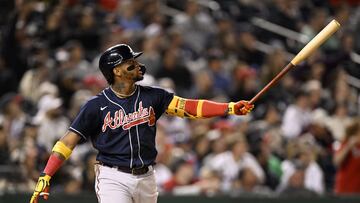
{"points": [[42, 188], [240, 108]]}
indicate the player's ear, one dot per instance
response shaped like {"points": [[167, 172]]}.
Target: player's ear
{"points": [[117, 71]]}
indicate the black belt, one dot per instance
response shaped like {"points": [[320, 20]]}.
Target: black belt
{"points": [[134, 171]]}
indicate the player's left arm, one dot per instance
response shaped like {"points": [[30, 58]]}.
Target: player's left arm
{"points": [[199, 108], [60, 153]]}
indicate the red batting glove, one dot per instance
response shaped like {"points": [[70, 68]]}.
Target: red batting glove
{"points": [[240, 108]]}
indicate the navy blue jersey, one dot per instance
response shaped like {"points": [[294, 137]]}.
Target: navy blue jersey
{"points": [[123, 129]]}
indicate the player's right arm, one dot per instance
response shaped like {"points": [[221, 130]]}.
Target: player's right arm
{"points": [[60, 152], [199, 108]]}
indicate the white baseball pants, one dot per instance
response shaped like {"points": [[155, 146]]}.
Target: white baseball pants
{"points": [[114, 186]]}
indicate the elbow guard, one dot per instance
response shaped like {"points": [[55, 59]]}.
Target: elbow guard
{"points": [[177, 108]]}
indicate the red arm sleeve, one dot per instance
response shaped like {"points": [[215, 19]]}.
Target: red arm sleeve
{"points": [[205, 108], [53, 164]]}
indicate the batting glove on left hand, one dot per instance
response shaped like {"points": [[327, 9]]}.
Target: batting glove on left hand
{"points": [[240, 108], [41, 189]]}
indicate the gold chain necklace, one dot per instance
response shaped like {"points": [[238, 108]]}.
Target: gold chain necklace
{"points": [[123, 95]]}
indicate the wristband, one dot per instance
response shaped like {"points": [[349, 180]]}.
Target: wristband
{"points": [[62, 149], [231, 108]]}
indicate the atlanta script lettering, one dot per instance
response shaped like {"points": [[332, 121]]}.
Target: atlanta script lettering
{"points": [[142, 115]]}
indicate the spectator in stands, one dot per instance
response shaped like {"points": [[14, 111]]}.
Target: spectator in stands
{"points": [[245, 83], [303, 154], [53, 124], [7, 79], [248, 184], [225, 35], [56, 28], [341, 91], [268, 120], [317, 73], [4, 147], [73, 68], [195, 25], [177, 130], [164, 158], [319, 134], [209, 182], [173, 68], [270, 163], [201, 149], [14, 118], [218, 145], [88, 173], [265, 129], [347, 160], [285, 13], [94, 83], [296, 185], [31, 153], [315, 91], [248, 51], [32, 79], [88, 31], [217, 73], [151, 48], [296, 117], [129, 18], [338, 121], [205, 85], [229, 163], [184, 175]]}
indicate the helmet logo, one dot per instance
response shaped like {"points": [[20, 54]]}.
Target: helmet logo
{"points": [[114, 58]]}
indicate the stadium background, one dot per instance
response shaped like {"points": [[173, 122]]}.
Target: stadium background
{"points": [[223, 50]]}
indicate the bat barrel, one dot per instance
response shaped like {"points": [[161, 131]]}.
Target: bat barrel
{"points": [[309, 48], [319, 39]]}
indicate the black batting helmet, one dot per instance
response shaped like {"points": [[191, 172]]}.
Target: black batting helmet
{"points": [[112, 57]]}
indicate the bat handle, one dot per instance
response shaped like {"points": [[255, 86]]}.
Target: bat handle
{"points": [[272, 82]]}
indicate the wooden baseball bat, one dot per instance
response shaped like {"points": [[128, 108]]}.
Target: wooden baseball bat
{"points": [[309, 48]]}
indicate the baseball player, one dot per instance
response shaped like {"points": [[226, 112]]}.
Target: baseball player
{"points": [[121, 124]]}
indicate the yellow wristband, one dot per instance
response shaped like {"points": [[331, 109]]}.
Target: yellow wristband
{"points": [[62, 149], [231, 108]]}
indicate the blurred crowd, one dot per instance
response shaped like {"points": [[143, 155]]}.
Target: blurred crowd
{"points": [[302, 138]]}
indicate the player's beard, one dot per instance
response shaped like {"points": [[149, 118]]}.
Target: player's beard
{"points": [[141, 73], [138, 78]]}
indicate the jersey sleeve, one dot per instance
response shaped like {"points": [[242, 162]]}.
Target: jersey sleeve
{"points": [[87, 122], [163, 101]]}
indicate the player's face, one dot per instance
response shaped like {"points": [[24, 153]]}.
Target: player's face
{"points": [[133, 70]]}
